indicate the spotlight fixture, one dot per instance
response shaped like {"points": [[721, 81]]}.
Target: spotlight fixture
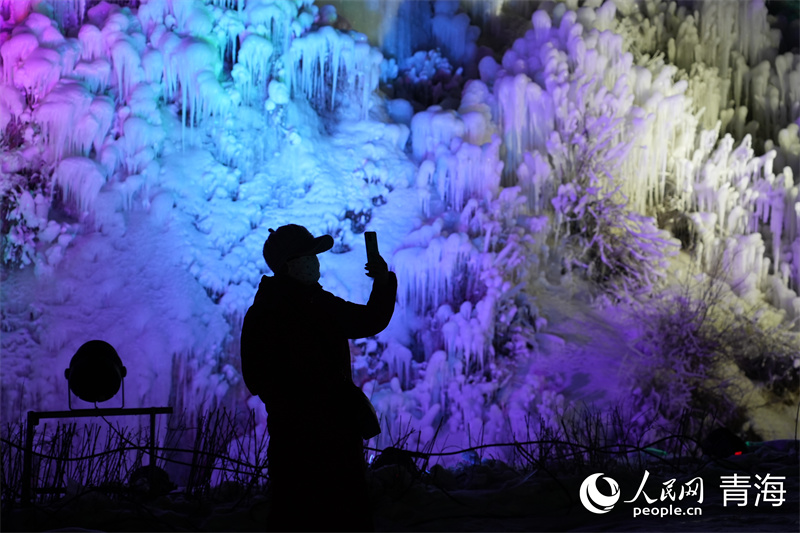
{"points": [[95, 373]]}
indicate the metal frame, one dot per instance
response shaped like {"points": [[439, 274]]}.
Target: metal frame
{"points": [[35, 416]]}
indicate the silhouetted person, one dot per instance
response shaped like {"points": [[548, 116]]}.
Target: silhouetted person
{"points": [[296, 358]]}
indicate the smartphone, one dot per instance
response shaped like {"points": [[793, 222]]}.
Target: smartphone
{"points": [[371, 240]]}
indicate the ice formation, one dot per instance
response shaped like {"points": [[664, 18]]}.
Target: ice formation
{"points": [[188, 128], [352, 66], [80, 179]]}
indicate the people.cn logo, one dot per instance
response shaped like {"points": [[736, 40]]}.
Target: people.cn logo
{"points": [[594, 500]]}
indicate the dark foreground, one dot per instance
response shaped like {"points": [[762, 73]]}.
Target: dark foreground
{"points": [[482, 497]]}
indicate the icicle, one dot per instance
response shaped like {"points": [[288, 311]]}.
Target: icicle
{"points": [[398, 358], [69, 13], [126, 63], [39, 73], [193, 65], [58, 113], [272, 20], [14, 53], [455, 36], [12, 104], [191, 18], [328, 53], [428, 273], [141, 142], [152, 14], [170, 45], [96, 74], [229, 28], [433, 127], [470, 172], [153, 66], [81, 180], [525, 114], [795, 250], [92, 127], [256, 56], [536, 178]]}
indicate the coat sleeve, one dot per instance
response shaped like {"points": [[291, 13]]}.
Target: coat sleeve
{"points": [[252, 350], [355, 321]]}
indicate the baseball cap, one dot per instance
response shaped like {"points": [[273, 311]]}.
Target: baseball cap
{"points": [[291, 241]]}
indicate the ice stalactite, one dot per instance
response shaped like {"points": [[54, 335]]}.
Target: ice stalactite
{"points": [[754, 36], [192, 66], [428, 271], [468, 171], [59, 112], [272, 20], [237, 5], [126, 64], [744, 264], [141, 142], [69, 13], [39, 73], [353, 67], [453, 33], [468, 333], [731, 51], [738, 193], [229, 29], [684, 48], [12, 104], [423, 182], [152, 14], [559, 78], [476, 113], [535, 176], [770, 92], [36, 55], [153, 67], [525, 115], [167, 44], [255, 57], [96, 74], [93, 127], [81, 179], [433, 127], [191, 18], [398, 358], [15, 51]]}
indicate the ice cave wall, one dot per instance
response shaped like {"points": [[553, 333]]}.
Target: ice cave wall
{"points": [[691, 113]]}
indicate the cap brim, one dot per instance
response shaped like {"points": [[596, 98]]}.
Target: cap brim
{"points": [[322, 244]]}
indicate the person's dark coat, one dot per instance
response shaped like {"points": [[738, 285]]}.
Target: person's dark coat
{"points": [[296, 358]]}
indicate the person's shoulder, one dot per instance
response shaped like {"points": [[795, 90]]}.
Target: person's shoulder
{"points": [[326, 298]]}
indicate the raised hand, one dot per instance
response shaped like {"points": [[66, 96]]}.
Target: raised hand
{"points": [[377, 269]]}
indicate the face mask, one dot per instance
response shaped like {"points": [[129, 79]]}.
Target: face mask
{"points": [[304, 269]]}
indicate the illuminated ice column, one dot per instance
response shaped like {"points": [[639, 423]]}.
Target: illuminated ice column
{"points": [[526, 117], [433, 127], [81, 179], [330, 53], [535, 176], [428, 270], [469, 171], [453, 33], [255, 58], [193, 66], [59, 113]]}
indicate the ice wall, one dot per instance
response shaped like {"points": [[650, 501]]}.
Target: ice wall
{"points": [[197, 125]]}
